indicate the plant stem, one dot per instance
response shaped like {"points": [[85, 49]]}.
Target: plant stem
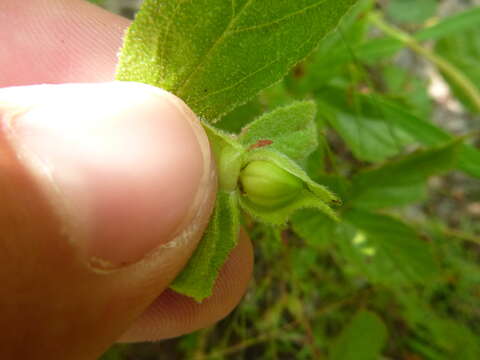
{"points": [[462, 236], [443, 65]]}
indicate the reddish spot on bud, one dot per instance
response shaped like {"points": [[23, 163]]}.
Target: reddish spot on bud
{"points": [[260, 144]]}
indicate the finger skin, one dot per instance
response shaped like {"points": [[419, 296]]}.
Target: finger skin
{"points": [[51, 298], [180, 315], [58, 41]]}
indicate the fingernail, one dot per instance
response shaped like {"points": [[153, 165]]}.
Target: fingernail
{"points": [[125, 165]]}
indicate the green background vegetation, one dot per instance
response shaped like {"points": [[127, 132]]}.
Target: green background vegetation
{"points": [[399, 276]]}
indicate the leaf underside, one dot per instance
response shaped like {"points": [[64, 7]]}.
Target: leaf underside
{"points": [[198, 278], [218, 59]]}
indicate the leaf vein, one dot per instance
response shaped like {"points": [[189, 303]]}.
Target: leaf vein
{"points": [[277, 21], [239, 81], [245, 77], [163, 47], [220, 39]]}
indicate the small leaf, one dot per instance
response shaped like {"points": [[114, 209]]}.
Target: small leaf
{"points": [[291, 129], [217, 54], [398, 255], [440, 337], [313, 226], [411, 11], [429, 134], [408, 171], [322, 65], [362, 339], [388, 196], [362, 125], [380, 47], [235, 120], [198, 277]]}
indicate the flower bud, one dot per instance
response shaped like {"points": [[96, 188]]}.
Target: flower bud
{"points": [[267, 185]]}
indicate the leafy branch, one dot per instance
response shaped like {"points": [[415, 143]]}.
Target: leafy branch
{"points": [[443, 65]]}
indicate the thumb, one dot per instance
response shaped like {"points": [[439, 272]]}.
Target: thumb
{"points": [[105, 190]]}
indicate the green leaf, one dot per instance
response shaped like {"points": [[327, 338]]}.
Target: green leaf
{"points": [[396, 254], [235, 120], [459, 340], [429, 134], [411, 11], [408, 89], [463, 51], [321, 65], [411, 169], [362, 339], [386, 184], [275, 96], [290, 129], [382, 47], [361, 125], [388, 196], [312, 196], [437, 336], [217, 54], [454, 24], [313, 226], [198, 277]]}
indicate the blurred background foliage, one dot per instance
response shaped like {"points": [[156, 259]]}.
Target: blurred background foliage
{"points": [[398, 91]]}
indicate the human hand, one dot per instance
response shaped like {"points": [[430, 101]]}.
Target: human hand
{"points": [[105, 190]]}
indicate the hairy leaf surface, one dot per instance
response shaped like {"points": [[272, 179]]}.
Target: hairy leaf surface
{"points": [[198, 277], [290, 129], [217, 54]]}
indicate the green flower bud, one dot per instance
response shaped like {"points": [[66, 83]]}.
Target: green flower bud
{"points": [[267, 185]]}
